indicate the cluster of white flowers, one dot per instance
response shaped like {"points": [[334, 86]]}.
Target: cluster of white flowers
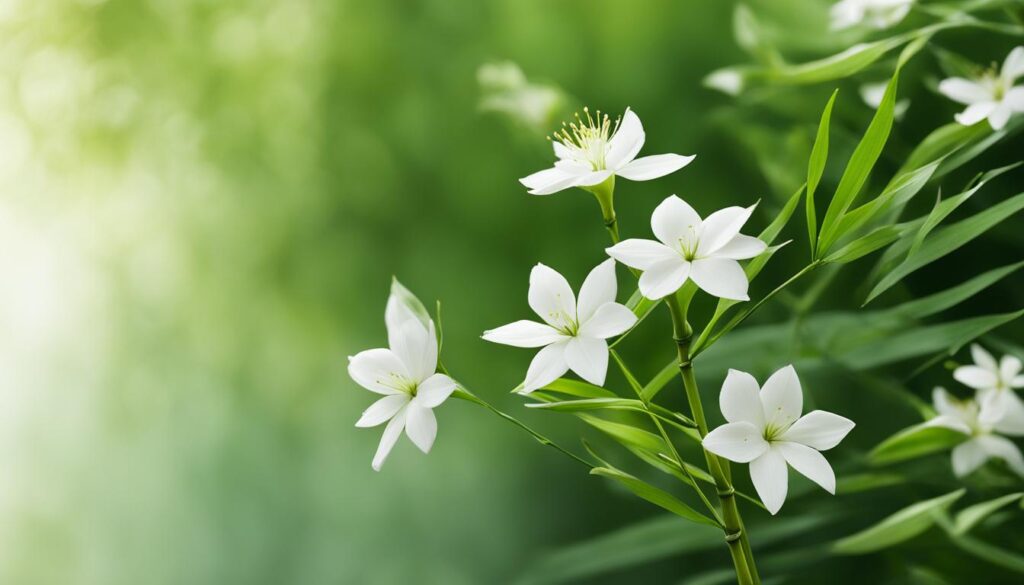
{"points": [[990, 95], [765, 429], [995, 410]]}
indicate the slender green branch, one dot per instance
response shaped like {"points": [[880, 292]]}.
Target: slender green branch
{"points": [[735, 535], [468, 396]]}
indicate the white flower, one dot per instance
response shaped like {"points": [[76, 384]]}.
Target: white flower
{"points": [[573, 333], [983, 444], [874, 13], [994, 383], [590, 150], [404, 374], [765, 429], [991, 96], [689, 248]]}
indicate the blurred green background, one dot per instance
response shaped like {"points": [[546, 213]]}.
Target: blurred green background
{"points": [[203, 205]]}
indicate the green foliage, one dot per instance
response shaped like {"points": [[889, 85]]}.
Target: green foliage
{"points": [[915, 441], [654, 495], [901, 526]]}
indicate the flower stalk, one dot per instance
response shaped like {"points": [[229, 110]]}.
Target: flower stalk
{"points": [[735, 534], [605, 194]]}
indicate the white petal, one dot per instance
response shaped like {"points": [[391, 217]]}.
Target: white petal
{"points": [[1004, 449], [964, 91], [588, 357], [740, 399], [1009, 367], [721, 227], [845, 14], [975, 377], [524, 333], [1015, 99], [809, 463], [382, 410], [388, 439], [771, 479], [593, 178], [949, 422], [975, 113], [640, 254], [1013, 66], [610, 320], [968, 456], [398, 312], [547, 366], [945, 404], [421, 426], [741, 247], [819, 429], [548, 181], [664, 278], [1003, 411], [983, 358], [1000, 116], [720, 277], [416, 346], [599, 288], [674, 220], [737, 441], [646, 168], [783, 398], [434, 390], [627, 142], [551, 297], [561, 150], [377, 370]]}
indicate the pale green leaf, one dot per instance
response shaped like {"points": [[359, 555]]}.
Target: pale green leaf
{"points": [[654, 495], [970, 516], [815, 169], [915, 441], [901, 526]]}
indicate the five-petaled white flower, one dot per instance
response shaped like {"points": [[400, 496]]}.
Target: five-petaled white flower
{"points": [[966, 417], [874, 13], [992, 95], [574, 332], [689, 248], [591, 150], [404, 374], [994, 382], [765, 429]]}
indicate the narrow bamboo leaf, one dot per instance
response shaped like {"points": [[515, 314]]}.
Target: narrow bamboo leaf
{"points": [[948, 337], [661, 379], [626, 434], [864, 482], [940, 301], [949, 239], [771, 232], [942, 142], [589, 404], [915, 441], [837, 66], [859, 167], [970, 516], [990, 553], [815, 168], [579, 389], [901, 526], [866, 244], [896, 194], [654, 495]]}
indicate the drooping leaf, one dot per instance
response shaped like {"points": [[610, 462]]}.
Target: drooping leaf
{"points": [[970, 516], [915, 441], [901, 526], [654, 495]]}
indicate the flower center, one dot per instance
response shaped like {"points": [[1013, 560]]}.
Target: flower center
{"points": [[773, 432], [687, 244], [566, 324], [587, 137], [399, 382]]}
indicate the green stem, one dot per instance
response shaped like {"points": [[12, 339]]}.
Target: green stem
{"points": [[605, 194], [468, 396], [735, 535]]}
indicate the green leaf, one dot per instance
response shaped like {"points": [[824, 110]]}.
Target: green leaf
{"points": [[589, 404], [896, 194], [838, 66], [970, 516], [579, 389], [901, 526], [859, 167], [815, 169], [914, 442], [942, 142], [641, 307], [948, 337], [949, 239], [654, 495], [866, 244], [626, 434], [940, 301], [864, 482]]}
